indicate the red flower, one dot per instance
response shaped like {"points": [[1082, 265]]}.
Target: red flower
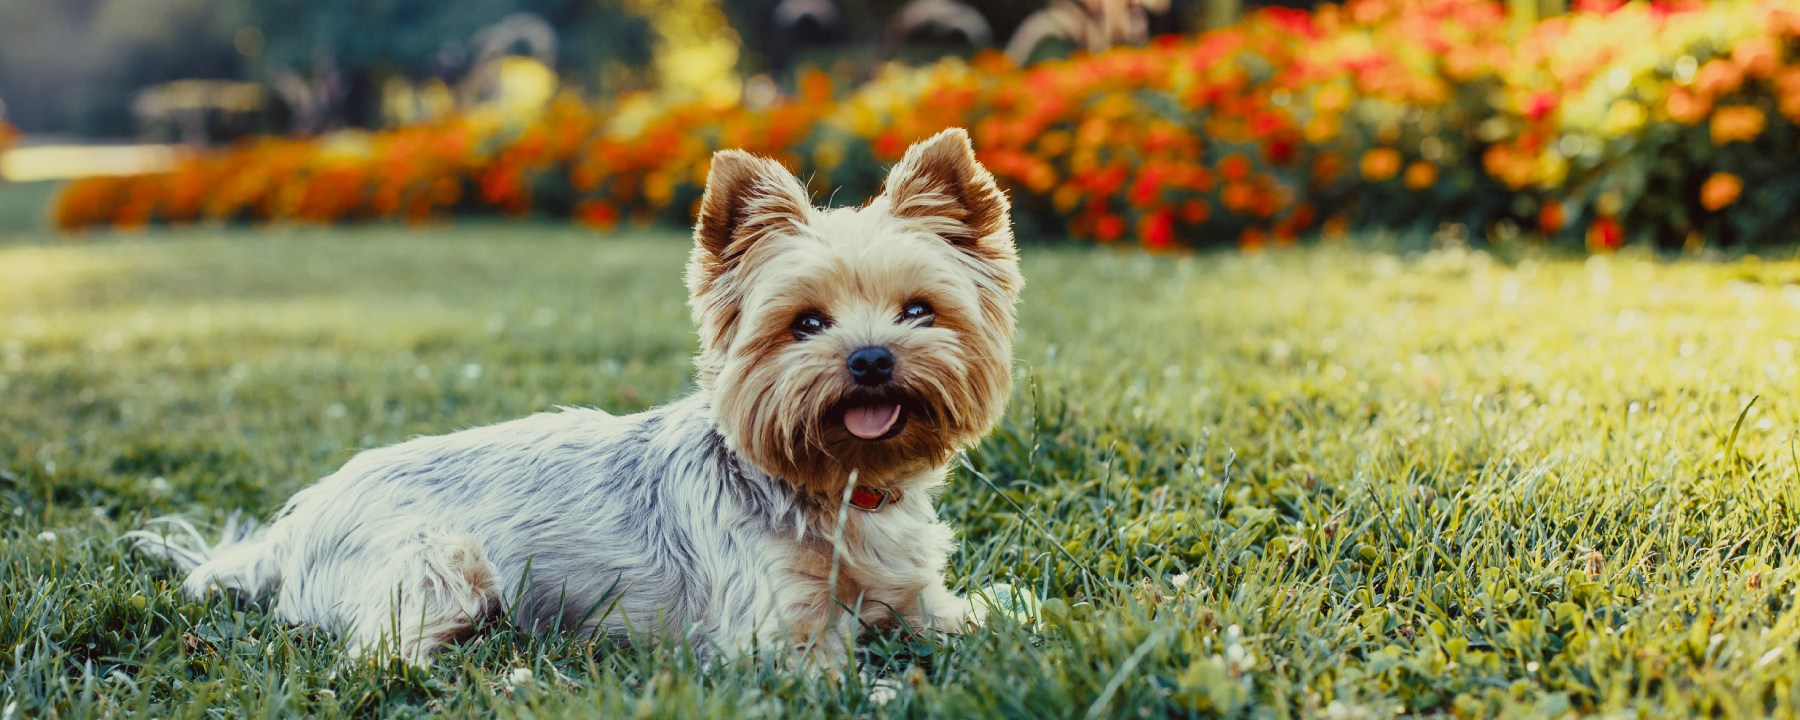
{"points": [[1540, 105], [1605, 235], [1108, 227], [1157, 230], [598, 215]]}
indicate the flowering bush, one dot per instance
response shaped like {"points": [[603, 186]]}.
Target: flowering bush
{"points": [[9, 135], [1651, 124], [1655, 122]]}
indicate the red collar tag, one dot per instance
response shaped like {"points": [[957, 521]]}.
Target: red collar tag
{"points": [[872, 499]]}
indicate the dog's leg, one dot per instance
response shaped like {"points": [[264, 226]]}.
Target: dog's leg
{"points": [[433, 589], [946, 611]]}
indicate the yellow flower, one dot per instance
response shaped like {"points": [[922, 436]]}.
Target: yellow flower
{"points": [[1321, 129], [658, 188], [1624, 117], [1737, 123], [828, 155]]}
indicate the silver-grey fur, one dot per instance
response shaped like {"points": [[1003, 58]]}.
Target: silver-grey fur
{"points": [[581, 521], [668, 524]]}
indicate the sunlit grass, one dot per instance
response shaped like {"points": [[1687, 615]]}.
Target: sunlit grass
{"points": [[1435, 483]]}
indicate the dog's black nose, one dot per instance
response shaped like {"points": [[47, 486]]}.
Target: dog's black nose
{"points": [[872, 365]]}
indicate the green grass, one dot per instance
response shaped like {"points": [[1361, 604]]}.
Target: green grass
{"points": [[1431, 484], [22, 210]]}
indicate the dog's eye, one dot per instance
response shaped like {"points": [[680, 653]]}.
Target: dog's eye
{"points": [[918, 310], [808, 325]]}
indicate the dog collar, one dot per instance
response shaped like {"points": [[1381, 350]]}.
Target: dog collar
{"points": [[872, 499]]}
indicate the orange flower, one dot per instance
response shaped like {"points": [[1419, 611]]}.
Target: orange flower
{"points": [[815, 86], [1512, 166], [1718, 78], [1194, 212], [1234, 167], [1336, 227], [1420, 175], [1380, 163], [1326, 168], [1551, 218], [1756, 56], [1737, 123], [1687, 107], [1238, 196], [1787, 91], [1720, 190]]}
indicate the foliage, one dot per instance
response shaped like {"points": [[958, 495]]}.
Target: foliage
{"points": [[1251, 485], [74, 66], [1669, 124], [1642, 123]]}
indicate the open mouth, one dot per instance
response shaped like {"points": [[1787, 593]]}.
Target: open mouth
{"points": [[874, 420]]}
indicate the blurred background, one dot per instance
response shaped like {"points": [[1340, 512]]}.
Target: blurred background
{"points": [[209, 71], [1163, 123]]}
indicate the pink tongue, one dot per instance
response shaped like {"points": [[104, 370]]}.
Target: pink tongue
{"points": [[871, 421]]}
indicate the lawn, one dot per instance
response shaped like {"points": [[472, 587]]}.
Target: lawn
{"points": [[1320, 481]]}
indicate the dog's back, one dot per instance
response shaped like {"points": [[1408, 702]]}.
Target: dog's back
{"points": [[571, 519]]}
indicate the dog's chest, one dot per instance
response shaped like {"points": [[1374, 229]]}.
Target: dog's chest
{"points": [[872, 566]]}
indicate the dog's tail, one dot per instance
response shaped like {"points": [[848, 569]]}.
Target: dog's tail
{"points": [[240, 561]]}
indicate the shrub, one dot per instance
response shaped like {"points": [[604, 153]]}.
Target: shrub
{"points": [[1648, 122]]}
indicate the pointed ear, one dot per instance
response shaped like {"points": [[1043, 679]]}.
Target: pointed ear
{"points": [[941, 182], [746, 198]]}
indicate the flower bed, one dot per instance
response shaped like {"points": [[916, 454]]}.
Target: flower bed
{"points": [[1641, 122]]}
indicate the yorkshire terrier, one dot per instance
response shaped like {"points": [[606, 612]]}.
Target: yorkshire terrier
{"points": [[845, 356]]}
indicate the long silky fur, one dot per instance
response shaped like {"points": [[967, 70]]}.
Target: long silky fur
{"points": [[716, 520]]}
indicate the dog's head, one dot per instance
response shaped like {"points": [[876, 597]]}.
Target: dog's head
{"points": [[875, 340]]}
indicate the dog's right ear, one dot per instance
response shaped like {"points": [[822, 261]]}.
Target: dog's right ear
{"points": [[747, 197]]}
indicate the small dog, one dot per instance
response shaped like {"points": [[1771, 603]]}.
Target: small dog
{"points": [[845, 356]]}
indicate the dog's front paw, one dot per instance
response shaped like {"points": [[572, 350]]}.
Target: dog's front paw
{"points": [[974, 615], [947, 612], [883, 691], [963, 615]]}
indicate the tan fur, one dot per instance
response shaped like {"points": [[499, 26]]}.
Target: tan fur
{"points": [[940, 232], [720, 518]]}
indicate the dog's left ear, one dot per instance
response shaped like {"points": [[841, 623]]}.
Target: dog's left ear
{"points": [[940, 182]]}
